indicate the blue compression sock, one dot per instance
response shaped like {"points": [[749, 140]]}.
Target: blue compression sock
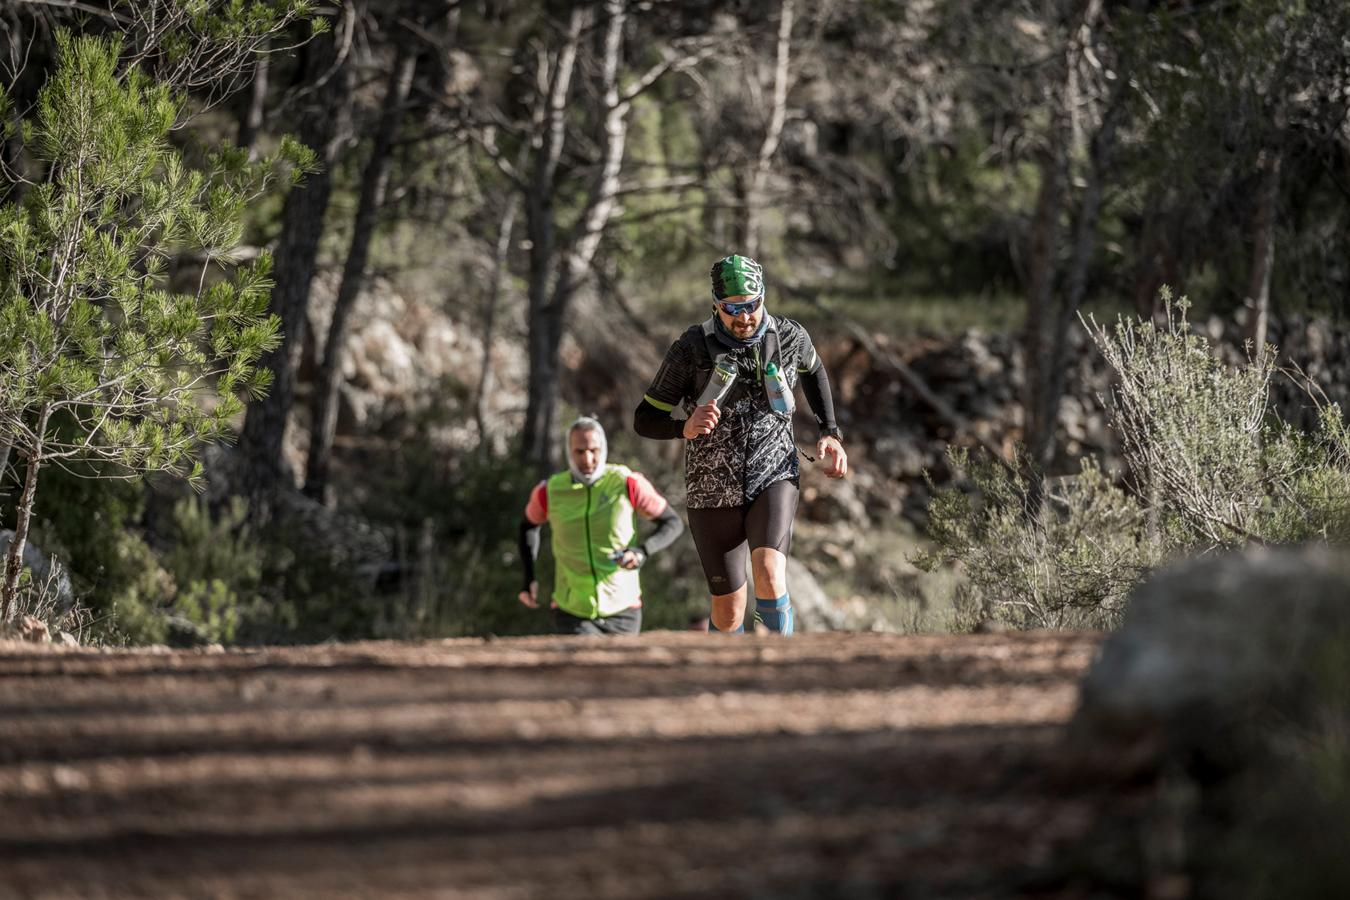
{"points": [[776, 614], [712, 627]]}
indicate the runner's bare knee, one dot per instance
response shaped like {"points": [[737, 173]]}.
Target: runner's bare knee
{"points": [[769, 568], [728, 610]]}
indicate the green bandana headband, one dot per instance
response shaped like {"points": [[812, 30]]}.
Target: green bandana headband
{"points": [[737, 276]]}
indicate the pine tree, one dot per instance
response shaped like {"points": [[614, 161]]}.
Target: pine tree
{"points": [[104, 358]]}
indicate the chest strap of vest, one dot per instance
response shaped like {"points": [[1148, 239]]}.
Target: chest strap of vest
{"points": [[718, 351]]}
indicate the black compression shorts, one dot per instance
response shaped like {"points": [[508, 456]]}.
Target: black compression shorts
{"points": [[725, 535]]}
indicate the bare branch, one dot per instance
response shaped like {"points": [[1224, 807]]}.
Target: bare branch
{"points": [[671, 62], [101, 11]]}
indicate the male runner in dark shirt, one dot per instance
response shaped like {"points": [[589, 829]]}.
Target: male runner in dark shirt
{"points": [[740, 459]]}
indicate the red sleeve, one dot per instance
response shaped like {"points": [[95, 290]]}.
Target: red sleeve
{"points": [[536, 511], [645, 499]]}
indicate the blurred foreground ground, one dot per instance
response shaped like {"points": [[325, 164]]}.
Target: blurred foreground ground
{"points": [[673, 765]]}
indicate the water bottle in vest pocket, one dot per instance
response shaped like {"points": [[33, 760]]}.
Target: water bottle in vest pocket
{"points": [[776, 387], [719, 383]]}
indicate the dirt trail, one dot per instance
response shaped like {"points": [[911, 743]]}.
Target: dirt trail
{"points": [[673, 765]]}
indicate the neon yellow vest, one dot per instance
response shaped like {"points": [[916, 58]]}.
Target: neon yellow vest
{"points": [[587, 525]]}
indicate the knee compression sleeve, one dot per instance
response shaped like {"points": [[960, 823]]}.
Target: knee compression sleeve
{"points": [[776, 614]]}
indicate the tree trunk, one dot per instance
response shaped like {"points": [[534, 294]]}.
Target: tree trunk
{"points": [[374, 181], [254, 106], [773, 134], [1043, 264], [542, 409], [1075, 288], [1150, 268], [537, 440], [713, 214], [537, 437], [440, 80], [24, 515], [577, 255], [1263, 261], [741, 221], [1047, 322], [601, 203], [500, 259], [302, 225]]}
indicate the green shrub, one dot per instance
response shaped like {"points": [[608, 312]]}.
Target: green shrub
{"points": [[1070, 564], [455, 525], [93, 525], [140, 591], [40, 598], [235, 584], [217, 565], [1312, 499], [1211, 467], [1205, 446]]}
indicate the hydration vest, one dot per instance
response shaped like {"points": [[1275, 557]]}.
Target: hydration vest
{"points": [[588, 523], [718, 351]]}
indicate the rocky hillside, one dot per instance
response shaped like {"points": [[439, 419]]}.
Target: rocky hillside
{"points": [[412, 375], [409, 361]]}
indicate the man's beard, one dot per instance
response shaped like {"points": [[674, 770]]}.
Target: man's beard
{"points": [[588, 478]]}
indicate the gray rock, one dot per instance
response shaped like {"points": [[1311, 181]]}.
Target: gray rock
{"points": [[45, 571], [1209, 644], [984, 358], [183, 632], [811, 606], [898, 454], [833, 500], [26, 629], [401, 353]]}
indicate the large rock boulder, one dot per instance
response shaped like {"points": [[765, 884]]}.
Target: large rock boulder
{"points": [[817, 611], [26, 629], [1205, 647], [1221, 703]]}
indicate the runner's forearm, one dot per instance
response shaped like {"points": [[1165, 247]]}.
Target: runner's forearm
{"points": [[657, 424], [816, 386], [528, 541], [668, 528]]}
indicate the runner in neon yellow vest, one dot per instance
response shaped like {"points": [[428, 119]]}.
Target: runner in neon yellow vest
{"points": [[591, 510]]}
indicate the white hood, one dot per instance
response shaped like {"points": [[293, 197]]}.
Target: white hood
{"points": [[589, 424]]}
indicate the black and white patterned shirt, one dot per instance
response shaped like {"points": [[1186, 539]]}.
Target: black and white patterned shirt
{"points": [[752, 447]]}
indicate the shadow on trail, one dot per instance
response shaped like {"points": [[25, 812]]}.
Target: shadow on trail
{"points": [[834, 766], [360, 685], [885, 805], [731, 764]]}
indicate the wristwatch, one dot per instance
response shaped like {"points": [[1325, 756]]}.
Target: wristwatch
{"points": [[831, 431]]}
